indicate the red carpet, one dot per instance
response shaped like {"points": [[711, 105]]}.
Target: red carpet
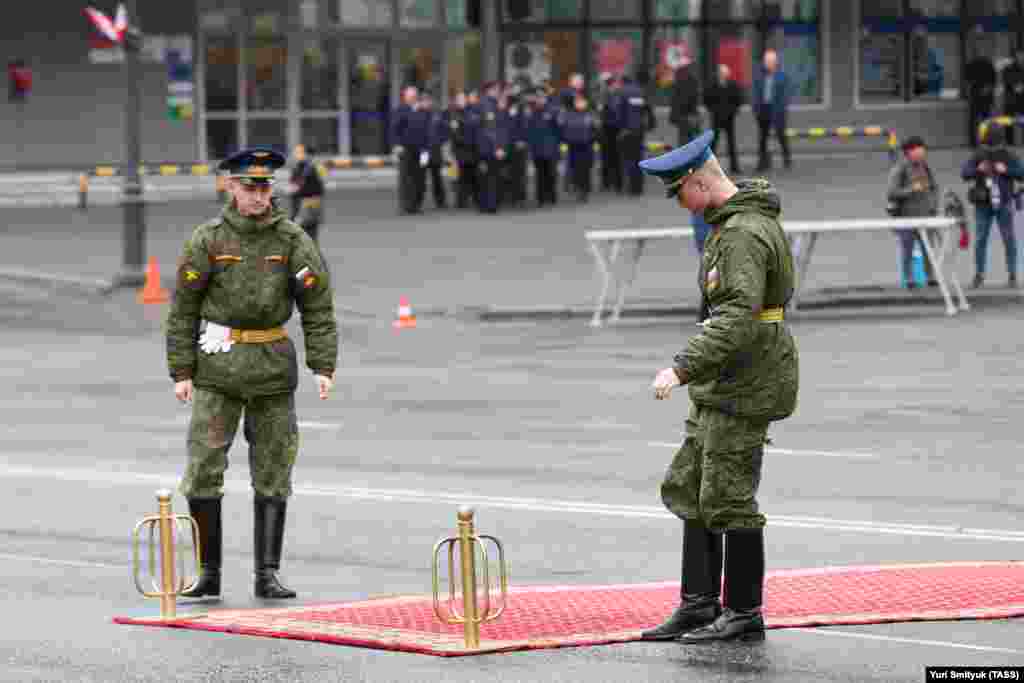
{"points": [[561, 616]]}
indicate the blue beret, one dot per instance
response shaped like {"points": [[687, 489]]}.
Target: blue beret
{"points": [[672, 167], [254, 165]]}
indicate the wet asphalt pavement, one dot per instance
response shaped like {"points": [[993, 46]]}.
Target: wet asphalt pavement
{"points": [[906, 418]]}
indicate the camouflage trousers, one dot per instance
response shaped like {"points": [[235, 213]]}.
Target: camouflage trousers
{"points": [[715, 473], [271, 428]]}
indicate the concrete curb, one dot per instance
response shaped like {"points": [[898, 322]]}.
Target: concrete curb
{"points": [[68, 284], [822, 300], [863, 296]]}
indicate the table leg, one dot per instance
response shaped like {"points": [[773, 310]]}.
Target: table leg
{"points": [[937, 269], [605, 266], [954, 276], [803, 265], [625, 284]]}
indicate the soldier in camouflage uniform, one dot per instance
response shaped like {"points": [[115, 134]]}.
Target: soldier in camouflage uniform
{"points": [[742, 372], [238, 281]]}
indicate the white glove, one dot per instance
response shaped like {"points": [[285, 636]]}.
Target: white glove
{"points": [[215, 338]]}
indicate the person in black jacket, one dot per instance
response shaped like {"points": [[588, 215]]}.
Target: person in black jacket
{"points": [[723, 98], [684, 112], [1013, 92], [438, 132], [993, 170], [307, 190], [462, 125], [980, 77]]}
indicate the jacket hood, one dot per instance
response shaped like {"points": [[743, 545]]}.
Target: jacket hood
{"points": [[246, 225], [757, 195]]}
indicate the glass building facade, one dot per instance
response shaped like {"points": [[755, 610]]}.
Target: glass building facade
{"points": [[328, 72], [549, 39], [324, 72], [916, 50]]}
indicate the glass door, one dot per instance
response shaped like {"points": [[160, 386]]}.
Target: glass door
{"points": [[369, 95], [419, 61]]}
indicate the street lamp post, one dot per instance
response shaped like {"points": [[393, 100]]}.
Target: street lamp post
{"points": [[133, 204]]}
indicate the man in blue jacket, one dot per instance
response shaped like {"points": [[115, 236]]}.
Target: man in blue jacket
{"points": [[636, 118], [770, 99], [491, 142], [579, 127], [545, 141], [409, 136]]}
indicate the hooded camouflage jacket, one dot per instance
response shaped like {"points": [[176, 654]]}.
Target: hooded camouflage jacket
{"points": [[738, 364], [248, 274]]}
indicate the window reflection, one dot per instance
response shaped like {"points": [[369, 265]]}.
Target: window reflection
{"points": [[320, 74], [418, 13], [537, 57], [366, 12], [221, 79]]}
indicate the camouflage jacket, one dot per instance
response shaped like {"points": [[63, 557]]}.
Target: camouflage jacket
{"points": [[738, 364], [249, 274]]}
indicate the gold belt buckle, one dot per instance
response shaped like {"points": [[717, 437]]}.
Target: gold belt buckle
{"points": [[257, 336], [311, 202]]}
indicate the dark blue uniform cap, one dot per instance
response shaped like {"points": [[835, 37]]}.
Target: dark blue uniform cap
{"points": [[673, 167], [253, 166]]}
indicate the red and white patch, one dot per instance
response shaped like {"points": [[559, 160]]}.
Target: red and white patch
{"points": [[712, 280]]}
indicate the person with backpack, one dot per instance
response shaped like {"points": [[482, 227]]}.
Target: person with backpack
{"points": [[992, 171], [913, 192]]}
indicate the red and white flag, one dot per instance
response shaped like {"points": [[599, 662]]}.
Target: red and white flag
{"points": [[113, 30]]}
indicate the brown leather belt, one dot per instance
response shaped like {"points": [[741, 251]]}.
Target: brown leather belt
{"points": [[258, 336]]}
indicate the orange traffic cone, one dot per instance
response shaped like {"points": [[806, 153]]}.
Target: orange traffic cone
{"points": [[405, 316], [153, 292]]}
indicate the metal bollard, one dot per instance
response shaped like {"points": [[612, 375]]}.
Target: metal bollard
{"points": [[472, 613], [83, 191], [171, 584]]}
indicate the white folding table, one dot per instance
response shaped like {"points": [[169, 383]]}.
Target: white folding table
{"points": [[608, 245]]}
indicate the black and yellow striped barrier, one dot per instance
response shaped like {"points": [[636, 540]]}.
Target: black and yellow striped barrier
{"points": [[841, 133], [210, 169], [203, 169], [1003, 121]]}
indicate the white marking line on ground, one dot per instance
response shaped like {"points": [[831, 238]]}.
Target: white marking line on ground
{"points": [[182, 421], [908, 641], [771, 450], [64, 563], [528, 504]]}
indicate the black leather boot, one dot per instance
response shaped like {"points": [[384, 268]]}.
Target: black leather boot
{"points": [[744, 587], [700, 586], [206, 512], [268, 540]]}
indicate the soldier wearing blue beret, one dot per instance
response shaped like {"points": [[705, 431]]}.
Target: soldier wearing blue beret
{"points": [[239, 280], [742, 373]]}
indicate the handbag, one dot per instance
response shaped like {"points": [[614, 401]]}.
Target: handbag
{"points": [[979, 194]]}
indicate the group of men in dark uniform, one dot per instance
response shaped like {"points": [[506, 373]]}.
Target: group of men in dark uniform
{"points": [[492, 137]]}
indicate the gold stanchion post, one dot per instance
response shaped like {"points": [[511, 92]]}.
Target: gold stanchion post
{"points": [[467, 552], [473, 614], [172, 574]]}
